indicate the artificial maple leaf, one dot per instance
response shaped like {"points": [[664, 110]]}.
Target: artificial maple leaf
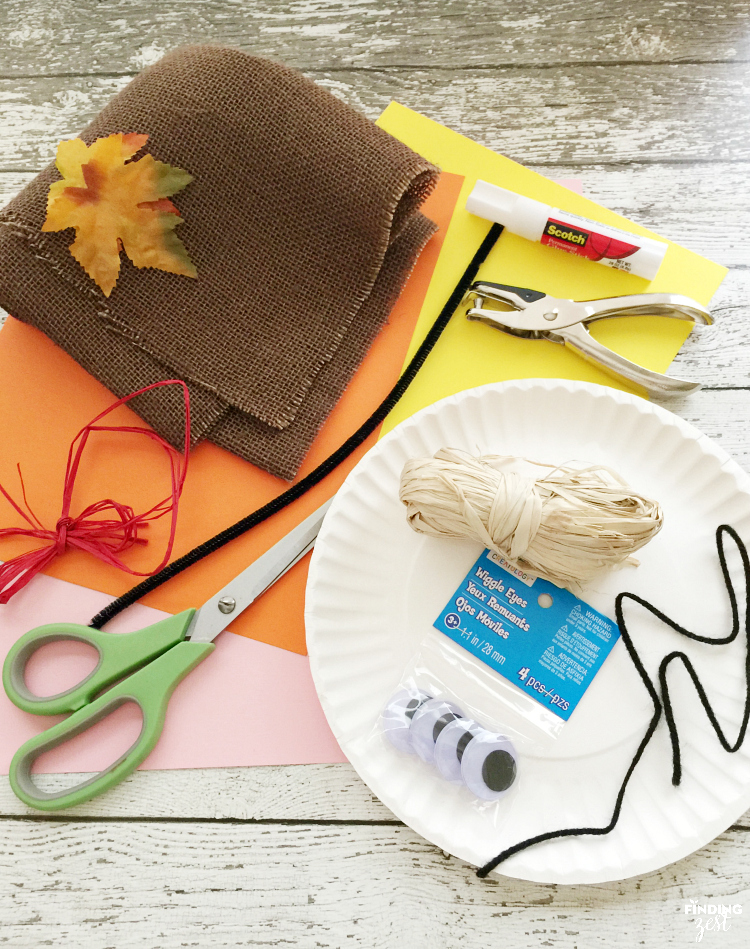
{"points": [[115, 204]]}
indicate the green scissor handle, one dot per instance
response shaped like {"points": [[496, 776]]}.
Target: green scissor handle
{"points": [[162, 659]]}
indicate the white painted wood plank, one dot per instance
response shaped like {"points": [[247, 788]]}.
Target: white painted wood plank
{"points": [[110, 36], [122, 884], [724, 415], [110, 886], [715, 222], [303, 792], [716, 356], [719, 355], [11, 183], [581, 115], [295, 793], [703, 206], [300, 792]]}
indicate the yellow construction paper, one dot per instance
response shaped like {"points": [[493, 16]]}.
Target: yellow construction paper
{"points": [[469, 353]]}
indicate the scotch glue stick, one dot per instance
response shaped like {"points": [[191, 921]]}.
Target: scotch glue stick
{"points": [[535, 221]]}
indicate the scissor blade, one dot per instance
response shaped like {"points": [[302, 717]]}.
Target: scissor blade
{"points": [[226, 605]]}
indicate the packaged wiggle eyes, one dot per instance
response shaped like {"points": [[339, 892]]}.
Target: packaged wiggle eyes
{"points": [[461, 749]]}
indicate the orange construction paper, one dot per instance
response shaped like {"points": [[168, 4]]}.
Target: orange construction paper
{"points": [[46, 398]]}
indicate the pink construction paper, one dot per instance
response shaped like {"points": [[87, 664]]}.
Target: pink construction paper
{"points": [[573, 184], [247, 704]]}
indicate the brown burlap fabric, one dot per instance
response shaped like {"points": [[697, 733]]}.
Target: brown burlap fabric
{"points": [[302, 221]]}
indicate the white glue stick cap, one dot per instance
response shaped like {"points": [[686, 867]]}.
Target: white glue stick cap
{"points": [[650, 256], [522, 216]]}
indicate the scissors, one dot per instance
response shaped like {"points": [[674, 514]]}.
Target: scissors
{"points": [[536, 315], [146, 665]]}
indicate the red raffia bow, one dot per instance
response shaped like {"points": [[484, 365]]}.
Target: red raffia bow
{"points": [[105, 538]]}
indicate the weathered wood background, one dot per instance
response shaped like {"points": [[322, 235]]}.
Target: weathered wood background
{"points": [[648, 102]]}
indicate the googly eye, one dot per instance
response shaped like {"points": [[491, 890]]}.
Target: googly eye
{"points": [[428, 721], [397, 716], [450, 746], [488, 765]]}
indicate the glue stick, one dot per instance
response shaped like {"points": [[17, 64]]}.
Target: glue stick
{"points": [[535, 221]]}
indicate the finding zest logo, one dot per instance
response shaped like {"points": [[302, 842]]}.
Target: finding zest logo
{"points": [[711, 917]]}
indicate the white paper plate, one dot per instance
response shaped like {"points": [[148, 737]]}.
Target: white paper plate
{"points": [[375, 588]]}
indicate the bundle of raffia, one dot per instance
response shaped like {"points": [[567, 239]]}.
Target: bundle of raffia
{"points": [[566, 522]]}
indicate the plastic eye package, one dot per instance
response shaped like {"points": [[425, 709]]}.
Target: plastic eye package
{"points": [[460, 722], [462, 750], [495, 678]]}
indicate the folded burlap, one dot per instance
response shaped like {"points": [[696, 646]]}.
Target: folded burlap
{"points": [[303, 223]]}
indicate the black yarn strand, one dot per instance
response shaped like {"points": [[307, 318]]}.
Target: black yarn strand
{"points": [[324, 468], [657, 700], [731, 748]]}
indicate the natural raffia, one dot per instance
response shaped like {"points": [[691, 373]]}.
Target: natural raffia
{"points": [[566, 523]]}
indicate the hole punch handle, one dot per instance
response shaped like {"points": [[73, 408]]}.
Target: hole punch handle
{"points": [[150, 688], [578, 338], [673, 306], [506, 293]]}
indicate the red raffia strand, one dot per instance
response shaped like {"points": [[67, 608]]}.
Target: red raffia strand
{"points": [[105, 538]]}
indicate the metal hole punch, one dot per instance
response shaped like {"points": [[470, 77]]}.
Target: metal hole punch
{"points": [[536, 315]]}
